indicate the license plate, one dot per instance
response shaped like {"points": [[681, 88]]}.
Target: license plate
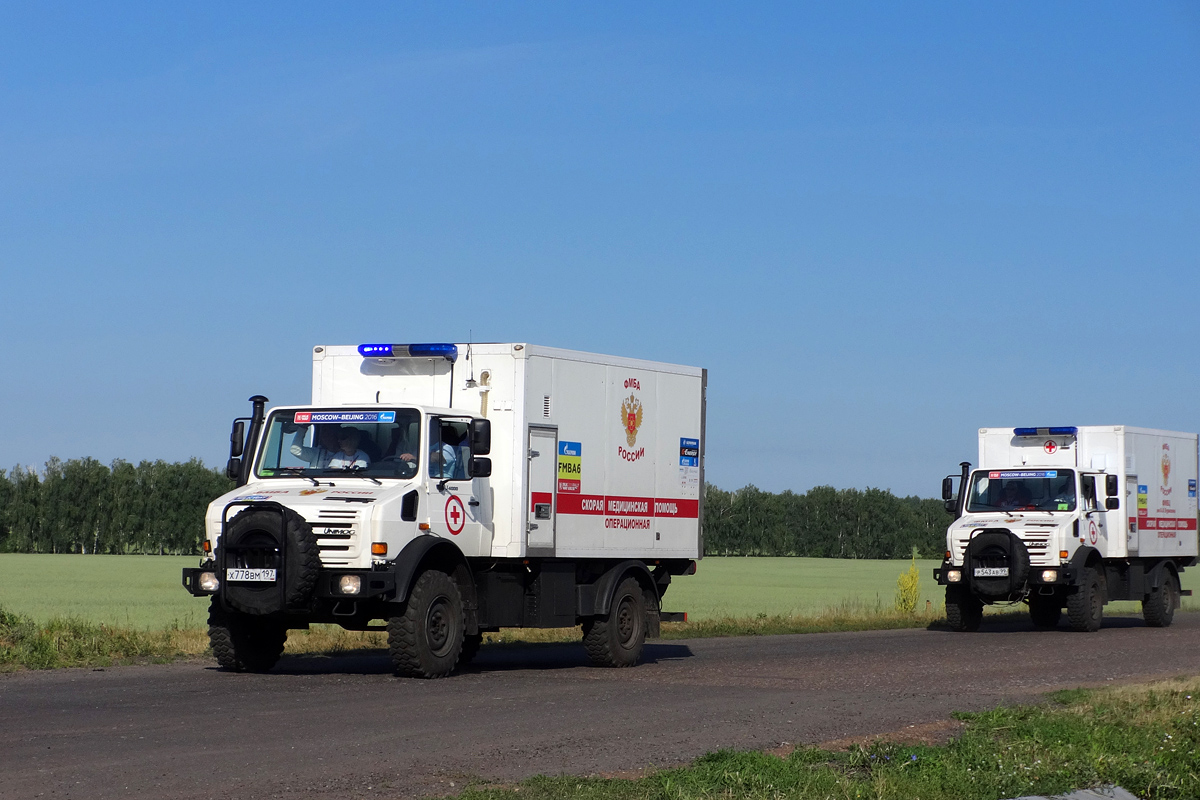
{"points": [[991, 572], [250, 575]]}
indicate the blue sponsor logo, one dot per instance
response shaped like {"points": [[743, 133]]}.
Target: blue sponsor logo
{"points": [[569, 448], [689, 452], [1142, 488], [252, 497], [1036, 473]]}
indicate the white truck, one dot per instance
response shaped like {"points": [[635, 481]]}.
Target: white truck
{"points": [[1071, 517], [440, 491]]}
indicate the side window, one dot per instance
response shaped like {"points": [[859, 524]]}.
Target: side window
{"points": [[449, 449], [1087, 486]]}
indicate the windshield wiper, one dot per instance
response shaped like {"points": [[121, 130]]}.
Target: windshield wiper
{"points": [[298, 471], [375, 481]]}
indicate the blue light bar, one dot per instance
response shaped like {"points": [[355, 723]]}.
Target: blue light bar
{"points": [[428, 350], [1062, 431]]}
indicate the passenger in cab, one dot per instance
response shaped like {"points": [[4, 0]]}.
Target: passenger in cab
{"points": [[348, 455], [325, 449]]}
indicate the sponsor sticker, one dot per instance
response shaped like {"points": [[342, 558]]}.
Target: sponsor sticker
{"points": [[311, 417], [252, 497], [689, 452], [1034, 473], [570, 467]]}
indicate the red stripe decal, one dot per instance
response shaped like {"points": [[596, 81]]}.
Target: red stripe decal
{"points": [[669, 507]]}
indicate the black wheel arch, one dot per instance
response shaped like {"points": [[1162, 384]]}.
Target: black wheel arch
{"points": [[606, 585], [433, 552]]}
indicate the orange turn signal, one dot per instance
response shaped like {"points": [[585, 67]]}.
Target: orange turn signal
{"points": [[378, 548], [424, 526], [206, 547], [948, 554], [1062, 554]]}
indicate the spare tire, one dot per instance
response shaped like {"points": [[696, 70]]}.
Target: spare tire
{"points": [[996, 550], [269, 538]]}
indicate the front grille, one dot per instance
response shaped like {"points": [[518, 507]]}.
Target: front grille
{"points": [[1036, 542], [337, 536]]}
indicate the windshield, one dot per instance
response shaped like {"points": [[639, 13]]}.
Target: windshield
{"points": [[1023, 490], [328, 443]]}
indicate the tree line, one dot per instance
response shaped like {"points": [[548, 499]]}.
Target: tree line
{"points": [[155, 507], [822, 523], [83, 506]]}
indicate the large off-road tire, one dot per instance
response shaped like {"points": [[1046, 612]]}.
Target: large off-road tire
{"points": [[426, 640], [253, 535], [1159, 606], [1045, 611], [241, 642], [617, 639], [1085, 608], [964, 611], [470, 648]]}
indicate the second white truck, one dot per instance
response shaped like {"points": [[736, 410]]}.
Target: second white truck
{"points": [[1071, 517], [439, 491]]}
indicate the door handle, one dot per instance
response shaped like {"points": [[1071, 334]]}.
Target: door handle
{"points": [[534, 454], [472, 502], [533, 526]]}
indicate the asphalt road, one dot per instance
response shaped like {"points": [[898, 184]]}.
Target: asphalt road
{"points": [[345, 727]]}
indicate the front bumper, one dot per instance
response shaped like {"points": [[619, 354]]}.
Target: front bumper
{"points": [[372, 584], [1064, 575]]}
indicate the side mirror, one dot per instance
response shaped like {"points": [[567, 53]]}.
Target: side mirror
{"points": [[947, 488], [233, 470], [481, 467], [1112, 503], [481, 438], [951, 506], [1110, 485], [237, 439]]}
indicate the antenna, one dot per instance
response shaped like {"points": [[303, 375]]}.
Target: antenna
{"points": [[471, 382]]}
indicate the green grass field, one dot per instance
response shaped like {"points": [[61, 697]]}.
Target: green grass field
{"points": [[144, 592]]}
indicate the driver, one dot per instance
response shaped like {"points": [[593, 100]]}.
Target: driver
{"points": [[348, 455], [1012, 496]]}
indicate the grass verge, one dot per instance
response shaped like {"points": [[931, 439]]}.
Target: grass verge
{"points": [[77, 643], [1143, 738]]}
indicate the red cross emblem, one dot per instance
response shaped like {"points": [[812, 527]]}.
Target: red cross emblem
{"points": [[1050, 446], [1093, 534], [456, 515]]}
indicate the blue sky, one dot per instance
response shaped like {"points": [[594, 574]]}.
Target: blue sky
{"points": [[879, 226]]}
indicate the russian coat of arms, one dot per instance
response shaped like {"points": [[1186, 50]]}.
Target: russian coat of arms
{"points": [[631, 418]]}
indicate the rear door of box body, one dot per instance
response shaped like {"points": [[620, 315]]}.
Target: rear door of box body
{"points": [[541, 476]]}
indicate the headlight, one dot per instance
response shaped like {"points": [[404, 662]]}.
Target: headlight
{"points": [[350, 584], [1049, 575], [953, 576], [209, 582]]}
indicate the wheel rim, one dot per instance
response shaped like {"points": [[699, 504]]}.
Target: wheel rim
{"points": [[439, 626], [627, 621]]}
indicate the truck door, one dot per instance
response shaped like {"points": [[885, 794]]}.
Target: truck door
{"points": [[450, 497], [1093, 528], [542, 482], [1130, 513]]}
